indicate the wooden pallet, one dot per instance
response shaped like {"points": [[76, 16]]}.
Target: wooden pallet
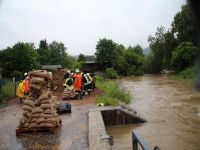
{"points": [[41, 130]]}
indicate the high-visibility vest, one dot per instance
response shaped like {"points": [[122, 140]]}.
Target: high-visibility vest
{"points": [[65, 83], [77, 82], [87, 79]]}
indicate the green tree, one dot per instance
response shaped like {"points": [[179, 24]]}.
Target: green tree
{"points": [[183, 56], [106, 52], [43, 44], [138, 50], [58, 53], [169, 44], [121, 64], [81, 58], [157, 46], [22, 57], [72, 63], [44, 53], [185, 26], [133, 63], [90, 58]]}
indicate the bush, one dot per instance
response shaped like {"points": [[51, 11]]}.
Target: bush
{"points": [[111, 73], [188, 73], [183, 56], [99, 78], [113, 95]]}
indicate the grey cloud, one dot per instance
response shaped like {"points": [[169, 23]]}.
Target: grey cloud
{"points": [[80, 23]]}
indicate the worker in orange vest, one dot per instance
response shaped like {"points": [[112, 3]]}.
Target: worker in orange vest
{"points": [[78, 83], [27, 81], [77, 80]]}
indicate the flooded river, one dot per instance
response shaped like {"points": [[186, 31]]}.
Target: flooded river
{"points": [[172, 109]]}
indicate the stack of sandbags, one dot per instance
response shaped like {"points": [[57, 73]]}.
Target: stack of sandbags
{"points": [[69, 93], [39, 108]]}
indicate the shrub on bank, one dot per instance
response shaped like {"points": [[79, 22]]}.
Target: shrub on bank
{"points": [[188, 73], [113, 95], [111, 73]]}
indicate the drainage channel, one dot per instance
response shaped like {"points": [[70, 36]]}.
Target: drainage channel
{"points": [[100, 118]]}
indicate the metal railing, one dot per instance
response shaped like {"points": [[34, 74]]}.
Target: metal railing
{"points": [[138, 139]]}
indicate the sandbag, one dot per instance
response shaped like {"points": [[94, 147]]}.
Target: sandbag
{"points": [[45, 115], [35, 87], [53, 99], [26, 114], [38, 80], [29, 103], [32, 96], [25, 125], [52, 120], [47, 111], [45, 95], [40, 120], [27, 108], [33, 125], [45, 106], [46, 102], [37, 110], [34, 120], [41, 74], [48, 125], [36, 115], [23, 119]]}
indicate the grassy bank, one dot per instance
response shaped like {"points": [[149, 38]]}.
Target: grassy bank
{"points": [[7, 92], [187, 74], [112, 94]]}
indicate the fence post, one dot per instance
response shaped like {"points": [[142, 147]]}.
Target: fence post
{"points": [[15, 86], [1, 84]]}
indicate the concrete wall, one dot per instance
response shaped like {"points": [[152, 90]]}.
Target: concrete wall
{"points": [[96, 131]]}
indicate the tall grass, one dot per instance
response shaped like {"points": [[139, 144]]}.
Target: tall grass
{"points": [[187, 74], [7, 92], [112, 95]]}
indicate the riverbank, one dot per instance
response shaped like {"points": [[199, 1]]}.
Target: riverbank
{"points": [[112, 94]]}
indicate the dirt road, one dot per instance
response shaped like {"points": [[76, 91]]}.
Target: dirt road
{"points": [[72, 136]]}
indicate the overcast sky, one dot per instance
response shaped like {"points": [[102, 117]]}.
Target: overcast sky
{"points": [[79, 24]]}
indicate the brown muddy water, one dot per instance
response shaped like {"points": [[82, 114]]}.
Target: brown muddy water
{"points": [[72, 136], [172, 109]]}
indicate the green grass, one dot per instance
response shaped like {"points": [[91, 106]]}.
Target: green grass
{"points": [[187, 74], [112, 95], [7, 92]]}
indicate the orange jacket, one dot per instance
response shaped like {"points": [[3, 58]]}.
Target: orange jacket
{"points": [[27, 86], [77, 81]]}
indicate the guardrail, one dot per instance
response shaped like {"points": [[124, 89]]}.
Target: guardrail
{"points": [[137, 138]]}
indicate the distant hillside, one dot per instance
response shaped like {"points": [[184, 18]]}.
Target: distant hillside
{"points": [[147, 50]]}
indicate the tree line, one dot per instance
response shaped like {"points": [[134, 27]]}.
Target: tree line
{"points": [[23, 57], [174, 49]]}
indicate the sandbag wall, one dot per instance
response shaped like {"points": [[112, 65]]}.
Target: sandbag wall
{"points": [[39, 108]]}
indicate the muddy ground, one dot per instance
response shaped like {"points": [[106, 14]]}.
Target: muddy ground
{"points": [[73, 134]]}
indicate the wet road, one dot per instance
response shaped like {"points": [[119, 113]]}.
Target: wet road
{"points": [[72, 136], [172, 109]]}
